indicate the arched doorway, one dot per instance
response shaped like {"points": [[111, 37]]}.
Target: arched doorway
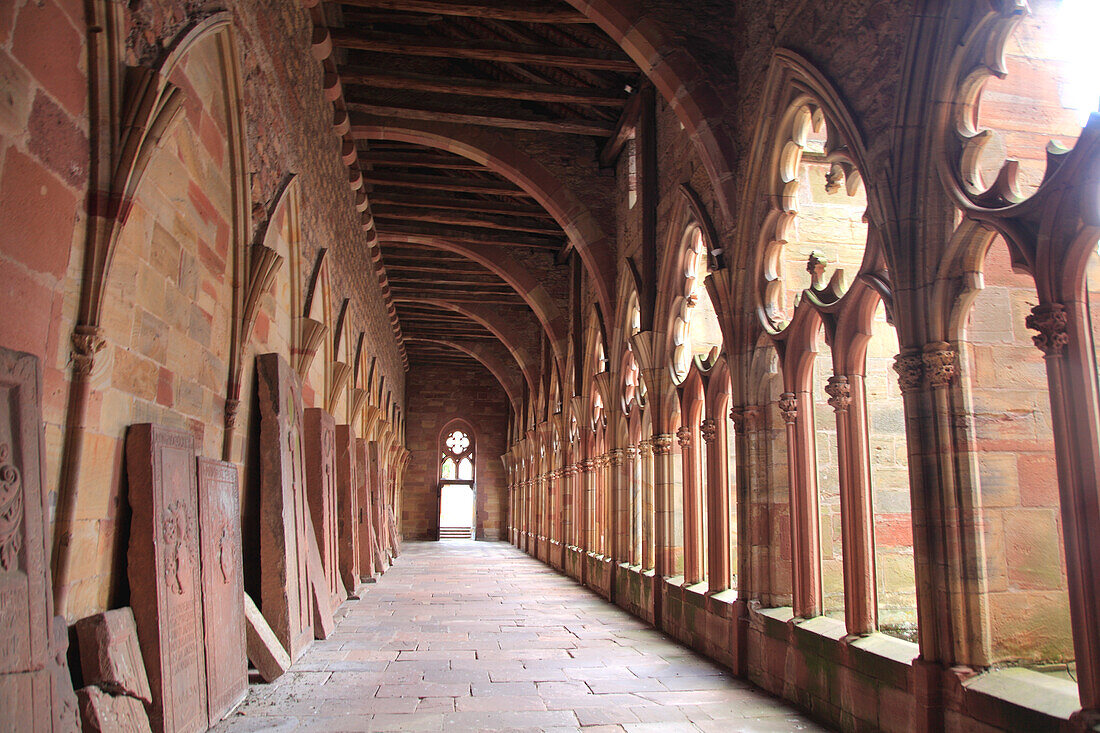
{"points": [[457, 495]]}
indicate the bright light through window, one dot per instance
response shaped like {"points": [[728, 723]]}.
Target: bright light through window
{"points": [[1078, 21]]}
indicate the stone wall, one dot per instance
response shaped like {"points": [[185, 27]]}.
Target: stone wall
{"points": [[435, 396]]}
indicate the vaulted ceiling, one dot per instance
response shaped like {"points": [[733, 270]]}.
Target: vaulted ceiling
{"points": [[474, 265]]}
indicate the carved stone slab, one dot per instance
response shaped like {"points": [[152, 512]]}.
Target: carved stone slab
{"points": [[366, 533], [25, 603], [320, 445], [163, 567], [347, 509], [110, 657], [222, 587], [284, 586], [323, 622], [100, 711], [264, 649]]}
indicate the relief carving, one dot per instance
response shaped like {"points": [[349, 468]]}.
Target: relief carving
{"points": [[910, 369], [11, 510], [788, 405], [177, 536], [840, 393], [1050, 320]]}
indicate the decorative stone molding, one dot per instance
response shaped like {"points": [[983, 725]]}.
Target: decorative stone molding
{"points": [[910, 369], [1050, 320], [615, 457], [662, 444], [588, 465], [788, 405], [232, 406], [683, 435], [709, 430], [570, 470], [940, 364], [87, 342], [631, 452], [645, 448], [840, 393]]}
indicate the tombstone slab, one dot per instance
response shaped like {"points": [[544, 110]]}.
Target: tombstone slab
{"points": [[284, 515], [323, 622], [27, 679], [222, 587], [347, 509], [264, 649], [320, 451], [110, 656], [366, 532], [101, 711], [163, 567]]}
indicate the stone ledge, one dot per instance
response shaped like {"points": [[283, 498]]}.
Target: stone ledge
{"points": [[1031, 698]]}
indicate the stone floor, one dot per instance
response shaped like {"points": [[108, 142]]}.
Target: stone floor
{"points": [[468, 636]]}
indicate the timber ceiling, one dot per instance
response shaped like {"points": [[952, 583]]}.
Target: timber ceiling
{"points": [[516, 67]]}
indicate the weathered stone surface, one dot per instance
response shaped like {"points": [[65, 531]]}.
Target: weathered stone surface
{"points": [[222, 587], [264, 649], [100, 711], [66, 713], [323, 622], [25, 605], [284, 520], [366, 533], [320, 453], [347, 509], [163, 567], [110, 656]]}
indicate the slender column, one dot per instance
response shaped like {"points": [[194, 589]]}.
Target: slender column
{"points": [[805, 537], [663, 485], [646, 508], [1074, 407], [567, 529], [633, 494], [588, 531], [616, 530], [857, 518], [693, 510], [713, 432]]}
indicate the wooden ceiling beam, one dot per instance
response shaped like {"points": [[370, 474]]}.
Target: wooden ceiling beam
{"points": [[388, 227], [439, 183], [457, 204], [417, 160], [399, 266], [358, 76], [419, 215], [492, 9], [575, 126], [496, 51]]}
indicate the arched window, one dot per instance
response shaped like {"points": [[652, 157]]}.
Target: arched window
{"points": [[457, 468]]}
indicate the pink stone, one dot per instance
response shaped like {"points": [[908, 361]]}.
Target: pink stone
{"points": [[347, 509], [163, 567], [222, 587], [284, 513], [320, 453], [100, 711], [110, 656]]}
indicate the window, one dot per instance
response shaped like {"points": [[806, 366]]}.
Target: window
{"points": [[457, 497]]}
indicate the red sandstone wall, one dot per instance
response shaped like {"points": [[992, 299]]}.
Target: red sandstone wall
{"points": [[435, 396]]}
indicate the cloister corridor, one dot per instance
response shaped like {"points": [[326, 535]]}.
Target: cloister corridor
{"points": [[466, 636]]}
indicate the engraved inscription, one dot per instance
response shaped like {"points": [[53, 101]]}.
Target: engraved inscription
{"points": [[11, 510]]}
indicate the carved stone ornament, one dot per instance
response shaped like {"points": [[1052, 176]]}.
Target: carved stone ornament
{"points": [[645, 448], [232, 406], [662, 444], [754, 414], [631, 451], [588, 465], [615, 457], [1050, 320], [788, 405], [683, 434], [941, 365], [87, 342], [570, 470], [709, 430], [11, 510], [840, 393], [910, 369]]}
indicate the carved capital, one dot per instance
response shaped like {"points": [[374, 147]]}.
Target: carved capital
{"points": [[587, 465], [570, 470], [754, 417], [615, 457], [1050, 320], [840, 393], [683, 435], [709, 430], [910, 369], [87, 342], [631, 451], [940, 364], [788, 405], [662, 444], [231, 408], [645, 448]]}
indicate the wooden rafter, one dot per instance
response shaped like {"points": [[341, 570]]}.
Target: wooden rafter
{"points": [[520, 53], [575, 126], [388, 227], [457, 204], [356, 76], [497, 224], [495, 9], [440, 183]]}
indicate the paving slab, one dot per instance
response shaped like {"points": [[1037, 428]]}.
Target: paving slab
{"points": [[471, 636]]}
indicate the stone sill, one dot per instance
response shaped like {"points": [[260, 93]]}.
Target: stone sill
{"points": [[1029, 691]]}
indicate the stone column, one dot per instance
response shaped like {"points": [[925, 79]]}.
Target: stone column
{"points": [[633, 510], [857, 517], [713, 432], [663, 485], [647, 507], [616, 529], [587, 531], [805, 532], [693, 509]]}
